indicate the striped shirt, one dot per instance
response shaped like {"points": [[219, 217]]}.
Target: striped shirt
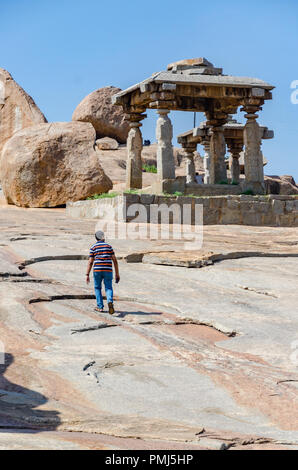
{"points": [[102, 254]]}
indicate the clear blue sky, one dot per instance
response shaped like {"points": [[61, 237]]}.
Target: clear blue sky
{"points": [[61, 50]]}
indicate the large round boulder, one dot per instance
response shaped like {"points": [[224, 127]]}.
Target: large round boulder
{"points": [[49, 164], [107, 119]]}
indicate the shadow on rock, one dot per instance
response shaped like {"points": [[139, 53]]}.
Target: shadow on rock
{"points": [[123, 313], [18, 406]]}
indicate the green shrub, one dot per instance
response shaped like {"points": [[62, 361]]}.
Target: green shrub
{"points": [[131, 191], [248, 192], [149, 168], [176, 193], [102, 196]]}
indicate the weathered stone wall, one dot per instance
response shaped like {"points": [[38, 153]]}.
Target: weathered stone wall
{"points": [[270, 210], [213, 189]]}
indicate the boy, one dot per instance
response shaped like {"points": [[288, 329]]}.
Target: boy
{"points": [[101, 256]]}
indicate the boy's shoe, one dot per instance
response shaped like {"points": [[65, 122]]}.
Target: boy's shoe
{"points": [[99, 310], [111, 308]]}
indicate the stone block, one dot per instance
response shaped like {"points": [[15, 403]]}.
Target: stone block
{"points": [[251, 218], [147, 198], [181, 200], [172, 186], [205, 201], [211, 217], [230, 217], [269, 219], [257, 92], [288, 220], [291, 206], [262, 207], [278, 207], [247, 206], [131, 198], [233, 204], [165, 200], [217, 202], [280, 197], [246, 197]]}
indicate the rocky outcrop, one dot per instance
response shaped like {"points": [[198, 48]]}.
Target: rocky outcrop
{"points": [[17, 108], [284, 185], [106, 143], [108, 120], [50, 164]]}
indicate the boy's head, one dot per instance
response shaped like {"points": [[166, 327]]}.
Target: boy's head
{"points": [[100, 236]]}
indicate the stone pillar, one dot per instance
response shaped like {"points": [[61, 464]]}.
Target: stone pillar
{"points": [[235, 169], [218, 169], [207, 159], [253, 157], [190, 165], [235, 149], [134, 157], [165, 155]]}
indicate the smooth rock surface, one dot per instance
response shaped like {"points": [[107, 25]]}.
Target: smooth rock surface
{"points": [[50, 164], [106, 143], [108, 120], [193, 358], [17, 108]]}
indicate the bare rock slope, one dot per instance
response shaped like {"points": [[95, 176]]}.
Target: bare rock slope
{"points": [[193, 358]]}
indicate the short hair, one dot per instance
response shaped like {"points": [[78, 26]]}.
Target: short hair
{"points": [[99, 235]]}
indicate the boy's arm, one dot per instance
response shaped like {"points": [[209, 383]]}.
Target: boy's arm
{"points": [[89, 267], [116, 266]]}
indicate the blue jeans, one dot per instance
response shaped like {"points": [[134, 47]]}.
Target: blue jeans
{"points": [[107, 278]]}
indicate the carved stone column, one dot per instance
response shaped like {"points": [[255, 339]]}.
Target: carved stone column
{"points": [[190, 164], [235, 170], [134, 154], [165, 155], [218, 169], [253, 157], [207, 160], [235, 149]]}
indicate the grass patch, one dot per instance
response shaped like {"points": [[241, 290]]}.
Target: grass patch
{"points": [[223, 182], [149, 168], [132, 191], [176, 193], [249, 192], [102, 196]]}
